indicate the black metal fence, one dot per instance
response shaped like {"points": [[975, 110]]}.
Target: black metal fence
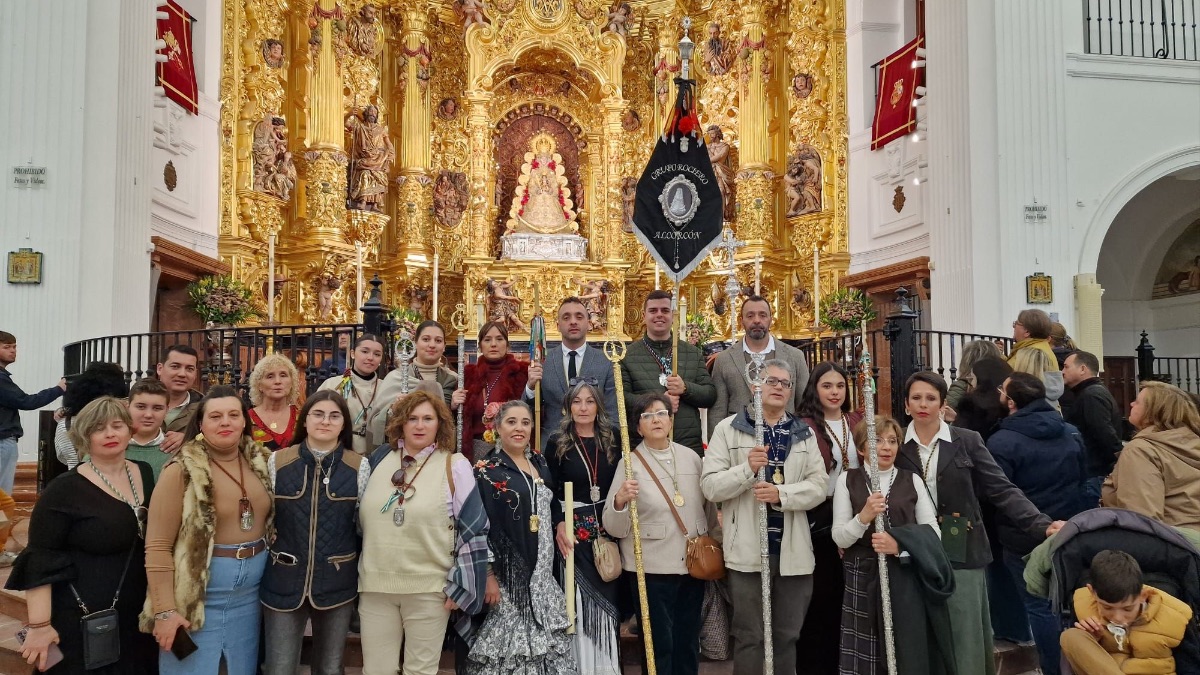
{"points": [[1181, 371], [1160, 29]]}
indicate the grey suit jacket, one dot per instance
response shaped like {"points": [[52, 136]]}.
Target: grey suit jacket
{"points": [[733, 391], [595, 369]]}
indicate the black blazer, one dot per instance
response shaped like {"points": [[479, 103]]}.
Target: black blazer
{"points": [[966, 473]]}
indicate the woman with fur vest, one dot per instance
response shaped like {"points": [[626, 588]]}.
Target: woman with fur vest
{"points": [[495, 378], [206, 545]]}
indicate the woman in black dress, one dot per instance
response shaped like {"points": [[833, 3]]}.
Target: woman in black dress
{"points": [[584, 453], [87, 533]]}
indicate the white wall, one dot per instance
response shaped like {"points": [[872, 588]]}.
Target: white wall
{"points": [[77, 99], [1016, 114]]}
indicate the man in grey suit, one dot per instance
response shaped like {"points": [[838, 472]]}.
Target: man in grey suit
{"points": [[729, 371], [572, 361]]}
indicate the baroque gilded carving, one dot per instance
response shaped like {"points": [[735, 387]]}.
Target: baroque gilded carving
{"points": [[325, 174]]}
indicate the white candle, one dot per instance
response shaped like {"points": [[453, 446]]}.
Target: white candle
{"points": [[271, 278], [816, 286], [758, 275], [437, 259], [358, 264]]}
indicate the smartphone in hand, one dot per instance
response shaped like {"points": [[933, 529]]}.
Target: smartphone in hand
{"points": [[183, 646], [54, 655]]}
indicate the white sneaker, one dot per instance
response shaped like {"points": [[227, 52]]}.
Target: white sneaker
{"points": [[7, 558]]}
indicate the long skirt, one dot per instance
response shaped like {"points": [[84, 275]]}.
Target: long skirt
{"points": [[231, 621], [971, 623], [861, 650]]}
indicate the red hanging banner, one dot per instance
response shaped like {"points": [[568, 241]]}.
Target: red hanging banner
{"points": [[895, 115], [178, 75]]}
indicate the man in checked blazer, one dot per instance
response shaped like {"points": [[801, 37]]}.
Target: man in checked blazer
{"points": [[571, 361]]}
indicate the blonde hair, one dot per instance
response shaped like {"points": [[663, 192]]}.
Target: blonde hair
{"points": [[883, 424], [94, 417], [1032, 361], [267, 364], [972, 352], [1168, 407]]}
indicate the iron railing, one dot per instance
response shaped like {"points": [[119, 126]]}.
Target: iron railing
{"points": [[1160, 29]]}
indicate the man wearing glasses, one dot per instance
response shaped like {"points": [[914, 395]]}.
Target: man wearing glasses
{"points": [[569, 363], [796, 482], [729, 370], [647, 369]]}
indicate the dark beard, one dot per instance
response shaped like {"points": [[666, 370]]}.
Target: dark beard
{"points": [[756, 333]]}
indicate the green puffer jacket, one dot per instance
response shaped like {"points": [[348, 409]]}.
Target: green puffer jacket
{"points": [[640, 371]]}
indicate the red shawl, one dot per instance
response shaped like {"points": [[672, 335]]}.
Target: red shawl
{"points": [[513, 375]]}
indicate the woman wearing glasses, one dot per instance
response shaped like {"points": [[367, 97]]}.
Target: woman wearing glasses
{"points": [[424, 551], [584, 453], [206, 543], [668, 482], [526, 630], [85, 537], [312, 574]]}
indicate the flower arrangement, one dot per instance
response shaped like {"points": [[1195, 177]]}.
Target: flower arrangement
{"points": [[489, 422], [222, 300], [698, 330], [406, 320], [846, 309]]}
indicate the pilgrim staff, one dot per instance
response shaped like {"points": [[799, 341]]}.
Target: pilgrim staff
{"points": [[459, 321], [754, 373]]}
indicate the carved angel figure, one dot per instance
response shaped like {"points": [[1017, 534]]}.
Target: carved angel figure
{"points": [[326, 287], [802, 182], [450, 197], [619, 19], [595, 299], [274, 171], [472, 12], [371, 157], [722, 164]]}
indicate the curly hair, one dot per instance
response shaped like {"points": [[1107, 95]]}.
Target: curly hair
{"points": [[267, 364], [403, 407], [100, 379]]}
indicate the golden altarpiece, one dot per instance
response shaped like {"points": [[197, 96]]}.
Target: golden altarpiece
{"points": [[495, 144]]}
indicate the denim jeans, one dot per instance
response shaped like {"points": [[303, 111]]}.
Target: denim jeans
{"points": [[231, 621], [284, 636], [8, 464], [1091, 491], [1045, 626]]}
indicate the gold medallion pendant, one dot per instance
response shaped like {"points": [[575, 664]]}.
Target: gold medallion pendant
{"points": [[534, 522], [678, 499], [777, 476]]}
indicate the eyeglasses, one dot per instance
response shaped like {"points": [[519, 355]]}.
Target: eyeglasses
{"points": [[322, 416], [659, 414], [583, 380], [776, 382]]}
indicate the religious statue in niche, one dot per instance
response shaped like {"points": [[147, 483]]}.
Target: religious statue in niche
{"points": [[594, 295], [619, 19], [272, 51], [722, 164], [418, 299], [274, 170], [364, 33], [542, 201], [802, 85], [371, 158], [716, 51], [631, 121], [447, 109], [472, 12], [628, 200], [802, 182], [503, 306], [451, 195], [326, 287]]}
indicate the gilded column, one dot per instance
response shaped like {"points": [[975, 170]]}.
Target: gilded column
{"points": [[325, 170], [481, 179], [416, 186], [597, 209], [614, 213], [755, 179]]}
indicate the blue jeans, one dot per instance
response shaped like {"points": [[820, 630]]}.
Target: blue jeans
{"points": [[231, 621], [1091, 491], [8, 464], [1046, 627]]}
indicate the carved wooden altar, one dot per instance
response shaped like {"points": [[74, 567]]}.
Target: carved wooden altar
{"points": [[462, 86]]}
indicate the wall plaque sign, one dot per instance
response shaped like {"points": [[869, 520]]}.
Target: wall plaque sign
{"points": [[1039, 289], [24, 266], [28, 177]]}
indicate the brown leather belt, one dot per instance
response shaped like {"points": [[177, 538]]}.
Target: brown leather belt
{"points": [[241, 552]]}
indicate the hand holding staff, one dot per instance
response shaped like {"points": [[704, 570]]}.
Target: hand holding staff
{"points": [[615, 351], [459, 321], [754, 373]]}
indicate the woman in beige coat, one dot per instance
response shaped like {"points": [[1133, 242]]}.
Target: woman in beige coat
{"points": [[675, 598], [1158, 472]]}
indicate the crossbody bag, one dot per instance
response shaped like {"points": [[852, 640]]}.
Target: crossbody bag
{"points": [[704, 560], [102, 630]]}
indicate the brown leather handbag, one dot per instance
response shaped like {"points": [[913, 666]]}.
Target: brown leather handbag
{"points": [[705, 559]]}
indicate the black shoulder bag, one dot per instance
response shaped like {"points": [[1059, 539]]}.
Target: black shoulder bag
{"points": [[102, 630]]}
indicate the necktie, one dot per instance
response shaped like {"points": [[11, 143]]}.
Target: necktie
{"points": [[572, 372]]}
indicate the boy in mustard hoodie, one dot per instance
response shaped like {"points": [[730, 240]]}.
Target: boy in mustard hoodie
{"points": [[1123, 625]]}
